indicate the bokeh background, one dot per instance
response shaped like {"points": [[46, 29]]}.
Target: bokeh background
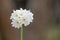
{"points": [[46, 23]]}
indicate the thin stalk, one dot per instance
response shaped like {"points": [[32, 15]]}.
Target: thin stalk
{"points": [[21, 33]]}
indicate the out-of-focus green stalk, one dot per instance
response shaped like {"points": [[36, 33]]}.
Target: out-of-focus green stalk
{"points": [[21, 35]]}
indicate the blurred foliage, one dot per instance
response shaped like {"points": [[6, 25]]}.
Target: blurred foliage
{"points": [[53, 34], [20, 3]]}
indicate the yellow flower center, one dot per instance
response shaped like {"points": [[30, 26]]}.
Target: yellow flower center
{"points": [[24, 19], [21, 14], [17, 22], [16, 15]]}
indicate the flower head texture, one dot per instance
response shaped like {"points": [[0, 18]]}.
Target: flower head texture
{"points": [[21, 17]]}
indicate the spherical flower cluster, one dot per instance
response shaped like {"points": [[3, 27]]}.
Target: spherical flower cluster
{"points": [[21, 17]]}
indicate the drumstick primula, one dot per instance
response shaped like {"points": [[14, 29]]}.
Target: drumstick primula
{"points": [[21, 17]]}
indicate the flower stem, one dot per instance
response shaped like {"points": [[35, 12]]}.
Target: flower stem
{"points": [[21, 33]]}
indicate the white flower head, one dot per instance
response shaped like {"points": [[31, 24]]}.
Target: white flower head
{"points": [[21, 17]]}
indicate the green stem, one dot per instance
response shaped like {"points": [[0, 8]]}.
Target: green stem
{"points": [[21, 33]]}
